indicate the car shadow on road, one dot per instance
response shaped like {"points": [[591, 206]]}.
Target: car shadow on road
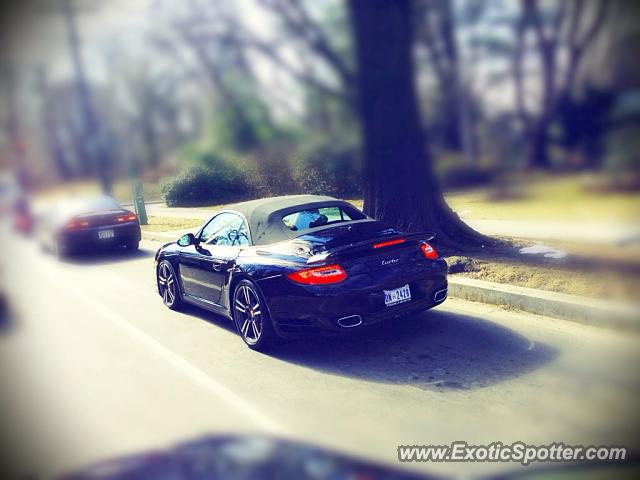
{"points": [[436, 350], [216, 320], [105, 256]]}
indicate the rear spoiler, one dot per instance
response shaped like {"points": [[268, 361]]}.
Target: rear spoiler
{"points": [[322, 256]]}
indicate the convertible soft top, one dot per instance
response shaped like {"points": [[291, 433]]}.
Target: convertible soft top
{"points": [[265, 215]]}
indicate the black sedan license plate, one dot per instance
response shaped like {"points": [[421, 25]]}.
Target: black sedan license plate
{"points": [[106, 234]]}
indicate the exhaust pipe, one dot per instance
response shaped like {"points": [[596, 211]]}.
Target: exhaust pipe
{"points": [[440, 295], [350, 321]]}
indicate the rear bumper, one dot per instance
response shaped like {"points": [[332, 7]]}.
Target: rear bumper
{"points": [[298, 310], [89, 238]]}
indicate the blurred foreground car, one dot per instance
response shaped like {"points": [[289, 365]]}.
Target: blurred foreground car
{"points": [[87, 224], [248, 457], [300, 265], [243, 457]]}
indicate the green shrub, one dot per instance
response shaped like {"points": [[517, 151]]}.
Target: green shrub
{"points": [[202, 185]]}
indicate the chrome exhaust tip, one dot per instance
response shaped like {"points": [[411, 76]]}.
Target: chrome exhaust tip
{"points": [[440, 295], [350, 321]]}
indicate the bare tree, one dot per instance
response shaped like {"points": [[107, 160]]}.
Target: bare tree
{"points": [[12, 124], [94, 134], [565, 34], [435, 30], [53, 127]]}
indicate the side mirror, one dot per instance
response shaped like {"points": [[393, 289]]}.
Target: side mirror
{"points": [[188, 239]]}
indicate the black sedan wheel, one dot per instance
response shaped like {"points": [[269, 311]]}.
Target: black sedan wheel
{"points": [[251, 317], [168, 286], [132, 245]]}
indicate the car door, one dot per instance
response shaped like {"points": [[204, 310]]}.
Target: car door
{"points": [[203, 267]]}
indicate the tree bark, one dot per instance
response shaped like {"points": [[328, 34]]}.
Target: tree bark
{"points": [[400, 186]]}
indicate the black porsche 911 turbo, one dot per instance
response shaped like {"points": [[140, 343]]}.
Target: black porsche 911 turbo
{"points": [[300, 265]]}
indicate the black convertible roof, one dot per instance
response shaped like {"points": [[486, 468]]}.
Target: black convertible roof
{"points": [[265, 215]]}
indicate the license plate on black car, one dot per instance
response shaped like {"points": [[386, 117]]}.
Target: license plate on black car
{"points": [[397, 295], [105, 234]]}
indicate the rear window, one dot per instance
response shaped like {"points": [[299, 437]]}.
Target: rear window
{"points": [[101, 203], [87, 205], [317, 217]]}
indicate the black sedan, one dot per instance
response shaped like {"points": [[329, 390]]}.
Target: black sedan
{"points": [[86, 224], [300, 265]]}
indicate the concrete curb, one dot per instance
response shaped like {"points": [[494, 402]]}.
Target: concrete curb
{"points": [[159, 236], [574, 308]]}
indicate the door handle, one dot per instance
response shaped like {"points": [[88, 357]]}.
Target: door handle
{"points": [[218, 265]]}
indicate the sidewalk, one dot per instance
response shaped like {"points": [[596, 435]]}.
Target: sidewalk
{"points": [[617, 234]]}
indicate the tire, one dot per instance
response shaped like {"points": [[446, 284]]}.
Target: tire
{"points": [[168, 287], [132, 245], [251, 317], [59, 251]]}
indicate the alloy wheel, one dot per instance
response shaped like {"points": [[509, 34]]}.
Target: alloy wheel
{"points": [[167, 284], [248, 314]]}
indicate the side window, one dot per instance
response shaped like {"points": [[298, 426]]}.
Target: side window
{"points": [[226, 229], [240, 237]]}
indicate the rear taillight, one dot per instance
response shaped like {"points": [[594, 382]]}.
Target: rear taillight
{"points": [[428, 251], [388, 243], [319, 275], [76, 223], [128, 217]]}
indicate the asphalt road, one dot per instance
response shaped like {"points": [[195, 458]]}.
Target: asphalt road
{"points": [[94, 366]]}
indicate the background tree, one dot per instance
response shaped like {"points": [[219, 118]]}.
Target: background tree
{"points": [[435, 30], [400, 186], [94, 139], [562, 37]]}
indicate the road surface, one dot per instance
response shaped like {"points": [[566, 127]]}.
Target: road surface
{"points": [[94, 366]]}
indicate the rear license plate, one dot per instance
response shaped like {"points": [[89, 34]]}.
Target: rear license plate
{"points": [[105, 234], [397, 295]]}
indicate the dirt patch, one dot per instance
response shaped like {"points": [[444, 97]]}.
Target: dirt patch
{"points": [[586, 273]]}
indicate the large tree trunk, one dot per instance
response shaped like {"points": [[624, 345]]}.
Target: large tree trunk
{"points": [[400, 187]]}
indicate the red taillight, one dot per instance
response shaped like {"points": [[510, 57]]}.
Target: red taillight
{"points": [[319, 275], [428, 251], [128, 217], [76, 223], [388, 243]]}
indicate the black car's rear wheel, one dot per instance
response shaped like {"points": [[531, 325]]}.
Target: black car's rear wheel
{"points": [[59, 250], [251, 317], [132, 245], [168, 286]]}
